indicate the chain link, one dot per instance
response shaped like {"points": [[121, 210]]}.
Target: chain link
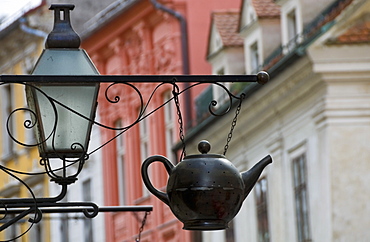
{"points": [[142, 226], [175, 93], [233, 124]]}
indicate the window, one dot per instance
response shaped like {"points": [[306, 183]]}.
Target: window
{"points": [[229, 233], [13, 230], [35, 234], [218, 41], [169, 122], [64, 225], [144, 145], [88, 226], [254, 58], [292, 29], [6, 109], [301, 198], [261, 205], [219, 94], [120, 157]]}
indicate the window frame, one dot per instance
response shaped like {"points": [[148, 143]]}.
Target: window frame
{"points": [[169, 124], [301, 199], [88, 226], [7, 93], [254, 57], [261, 203], [120, 162], [144, 136]]}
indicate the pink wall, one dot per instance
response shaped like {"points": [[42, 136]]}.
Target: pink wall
{"points": [[144, 40]]}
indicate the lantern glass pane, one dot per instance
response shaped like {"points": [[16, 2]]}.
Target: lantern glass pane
{"points": [[72, 131]]}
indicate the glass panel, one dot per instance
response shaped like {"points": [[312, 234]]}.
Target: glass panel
{"points": [[88, 226], [120, 155], [262, 215], [6, 109], [301, 199], [201, 103], [229, 233], [254, 58], [292, 25], [144, 148], [169, 125], [71, 128]]}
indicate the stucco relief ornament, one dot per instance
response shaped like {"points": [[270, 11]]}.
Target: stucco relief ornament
{"points": [[164, 56], [133, 45]]}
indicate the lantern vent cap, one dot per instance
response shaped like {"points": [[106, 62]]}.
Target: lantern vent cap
{"points": [[62, 35]]}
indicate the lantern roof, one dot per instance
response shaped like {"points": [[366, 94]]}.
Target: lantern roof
{"points": [[64, 61]]}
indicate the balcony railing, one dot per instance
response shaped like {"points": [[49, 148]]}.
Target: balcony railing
{"points": [[317, 26]]}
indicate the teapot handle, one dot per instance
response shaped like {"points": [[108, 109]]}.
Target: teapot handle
{"points": [[144, 173]]}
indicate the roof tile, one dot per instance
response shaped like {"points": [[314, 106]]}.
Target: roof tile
{"points": [[266, 8], [359, 33], [226, 22]]}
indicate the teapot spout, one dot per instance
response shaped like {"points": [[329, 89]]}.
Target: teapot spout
{"points": [[251, 176]]}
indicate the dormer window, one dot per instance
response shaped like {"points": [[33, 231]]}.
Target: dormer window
{"points": [[291, 26], [251, 16], [219, 94], [218, 41], [292, 29], [254, 58], [215, 43]]}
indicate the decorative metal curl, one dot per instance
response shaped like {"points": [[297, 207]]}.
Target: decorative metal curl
{"points": [[64, 180], [5, 209], [143, 107], [230, 102], [37, 218], [33, 207], [93, 213], [33, 121], [29, 124]]}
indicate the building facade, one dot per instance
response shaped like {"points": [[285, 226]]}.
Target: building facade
{"points": [[312, 117], [21, 40], [135, 37]]}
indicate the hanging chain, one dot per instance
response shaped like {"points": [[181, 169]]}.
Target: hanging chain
{"points": [[233, 124], [142, 226], [175, 93]]}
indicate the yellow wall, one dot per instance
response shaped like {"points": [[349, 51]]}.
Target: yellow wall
{"points": [[23, 159]]}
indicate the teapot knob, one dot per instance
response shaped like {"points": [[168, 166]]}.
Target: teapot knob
{"points": [[204, 146]]}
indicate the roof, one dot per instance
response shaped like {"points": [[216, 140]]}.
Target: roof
{"points": [[226, 22], [310, 33], [359, 33], [11, 22], [106, 15], [266, 8]]}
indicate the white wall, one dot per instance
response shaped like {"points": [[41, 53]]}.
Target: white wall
{"points": [[93, 171]]}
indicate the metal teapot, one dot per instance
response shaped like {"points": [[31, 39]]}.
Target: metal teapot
{"points": [[204, 191]]}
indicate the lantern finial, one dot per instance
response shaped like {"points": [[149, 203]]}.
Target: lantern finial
{"points": [[62, 35]]}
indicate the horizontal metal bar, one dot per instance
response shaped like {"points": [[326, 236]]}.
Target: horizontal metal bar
{"points": [[128, 78], [15, 202], [81, 209]]}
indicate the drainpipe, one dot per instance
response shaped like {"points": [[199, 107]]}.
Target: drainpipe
{"points": [[185, 57], [30, 30]]}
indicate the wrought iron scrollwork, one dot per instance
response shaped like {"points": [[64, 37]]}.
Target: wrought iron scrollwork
{"points": [[32, 122], [22, 207]]}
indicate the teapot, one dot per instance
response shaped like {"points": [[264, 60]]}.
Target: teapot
{"points": [[204, 191]]}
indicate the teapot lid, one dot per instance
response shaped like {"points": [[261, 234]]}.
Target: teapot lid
{"points": [[204, 147]]}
